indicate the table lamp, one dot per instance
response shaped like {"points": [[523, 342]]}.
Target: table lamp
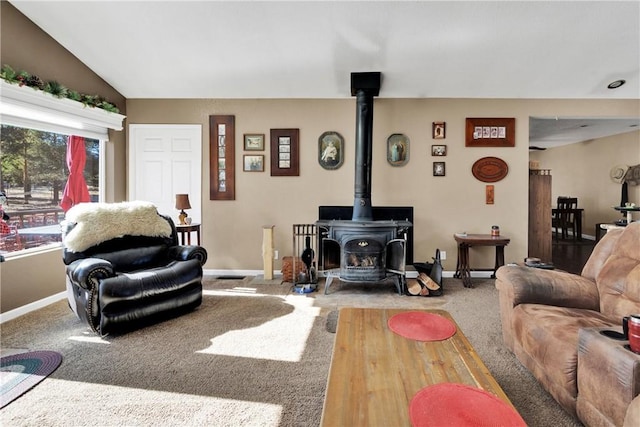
{"points": [[182, 203]]}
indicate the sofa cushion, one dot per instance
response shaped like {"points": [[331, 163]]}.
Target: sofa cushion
{"points": [[619, 278], [600, 253], [549, 337]]}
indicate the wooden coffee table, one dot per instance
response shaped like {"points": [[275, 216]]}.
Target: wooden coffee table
{"points": [[375, 373]]}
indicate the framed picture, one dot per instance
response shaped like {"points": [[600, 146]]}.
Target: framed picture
{"points": [[398, 149], [438, 169], [490, 132], [439, 130], [330, 150], [254, 141], [489, 194], [253, 163], [438, 150], [222, 174], [285, 152]]}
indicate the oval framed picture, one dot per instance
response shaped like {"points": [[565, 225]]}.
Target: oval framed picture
{"points": [[331, 150], [398, 149]]}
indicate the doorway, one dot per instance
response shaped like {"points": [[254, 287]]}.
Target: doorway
{"points": [[165, 160]]}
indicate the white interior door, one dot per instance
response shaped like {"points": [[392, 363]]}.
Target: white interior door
{"points": [[165, 160]]}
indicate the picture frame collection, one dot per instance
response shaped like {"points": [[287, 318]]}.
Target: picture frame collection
{"points": [[253, 162], [439, 131], [284, 144]]}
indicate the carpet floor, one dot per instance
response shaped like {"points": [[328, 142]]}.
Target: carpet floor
{"points": [[253, 354]]}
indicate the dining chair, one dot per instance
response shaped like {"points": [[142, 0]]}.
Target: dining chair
{"points": [[565, 216]]}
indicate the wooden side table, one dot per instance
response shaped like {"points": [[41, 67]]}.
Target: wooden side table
{"points": [[463, 268], [187, 230]]}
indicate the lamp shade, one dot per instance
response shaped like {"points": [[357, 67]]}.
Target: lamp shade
{"points": [[182, 201]]}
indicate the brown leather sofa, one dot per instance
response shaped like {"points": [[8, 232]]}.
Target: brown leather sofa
{"points": [[556, 324]]}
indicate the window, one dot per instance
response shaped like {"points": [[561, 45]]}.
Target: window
{"points": [[39, 124], [33, 176]]}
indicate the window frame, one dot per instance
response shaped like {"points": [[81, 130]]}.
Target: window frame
{"points": [[28, 108]]}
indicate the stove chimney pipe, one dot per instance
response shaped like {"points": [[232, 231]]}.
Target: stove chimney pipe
{"points": [[364, 86]]}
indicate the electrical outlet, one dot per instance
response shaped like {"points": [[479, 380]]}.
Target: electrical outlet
{"points": [[443, 255], [275, 254]]}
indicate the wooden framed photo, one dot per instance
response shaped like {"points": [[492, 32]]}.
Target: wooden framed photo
{"points": [[439, 169], [330, 150], [489, 194], [490, 132], [439, 130], [253, 163], [398, 149], [438, 150], [254, 141], [285, 152], [222, 176]]}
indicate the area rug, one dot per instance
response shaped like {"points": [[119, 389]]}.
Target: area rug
{"points": [[420, 326], [21, 372], [460, 405]]}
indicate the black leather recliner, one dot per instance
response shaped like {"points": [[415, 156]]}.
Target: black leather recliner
{"points": [[130, 281]]}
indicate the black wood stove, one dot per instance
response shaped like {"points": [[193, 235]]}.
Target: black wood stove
{"points": [[363, 250]]}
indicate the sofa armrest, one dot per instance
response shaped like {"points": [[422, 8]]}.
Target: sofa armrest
{"points": [[186, 252], [527, 285], [608, 378], [87, 272]]}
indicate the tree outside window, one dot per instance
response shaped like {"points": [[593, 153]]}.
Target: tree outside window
{"points": [[33, 176]]}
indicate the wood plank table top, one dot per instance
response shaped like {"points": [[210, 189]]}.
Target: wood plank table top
{"points": [[375, 372]]}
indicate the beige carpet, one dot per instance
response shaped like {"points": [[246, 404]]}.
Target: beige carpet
{"points": [[254, 354]]}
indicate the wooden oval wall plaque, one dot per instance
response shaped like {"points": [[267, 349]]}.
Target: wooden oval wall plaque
{"points": [[490, 169]]}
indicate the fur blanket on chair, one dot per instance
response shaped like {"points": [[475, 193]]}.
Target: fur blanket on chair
{"points": [[98, 222]]}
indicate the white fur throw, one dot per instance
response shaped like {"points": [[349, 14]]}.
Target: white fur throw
{"points": [[99, 222]]}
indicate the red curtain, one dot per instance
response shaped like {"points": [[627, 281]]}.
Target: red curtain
{"points": [[75, 191]]}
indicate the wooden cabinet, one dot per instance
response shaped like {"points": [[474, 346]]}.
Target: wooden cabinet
{"points": [[540, 214]]}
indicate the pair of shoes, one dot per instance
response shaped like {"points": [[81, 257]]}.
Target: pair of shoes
{"points": [[427, 284]]}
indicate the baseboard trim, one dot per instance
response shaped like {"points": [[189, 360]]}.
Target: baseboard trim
{"points": [[411, 274], [33, 306], [36, 305]]}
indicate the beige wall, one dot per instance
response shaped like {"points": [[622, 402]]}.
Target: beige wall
{"points": [[30, 278], [232, 230], [582, 170], [25, 47]]}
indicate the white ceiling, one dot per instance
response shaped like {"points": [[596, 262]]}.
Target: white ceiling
{"points": [[549, 132], [301, 49]]}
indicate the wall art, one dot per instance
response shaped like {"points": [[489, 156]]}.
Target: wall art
{"points": [[489, 194], [490, 132], [438, 150], [330, 150], [222, 148], [254, 141], [439, 169], [285, 152], [490, 169], [439, 130], [253, 163], [398, 149]]}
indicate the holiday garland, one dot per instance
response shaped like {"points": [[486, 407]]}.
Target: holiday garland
{"points": [[23, 78]]}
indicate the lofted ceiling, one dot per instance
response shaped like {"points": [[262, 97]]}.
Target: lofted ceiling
{"points": [[307, 49]]}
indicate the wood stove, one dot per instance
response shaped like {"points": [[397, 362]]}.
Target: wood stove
{"points": [[363, 249]]}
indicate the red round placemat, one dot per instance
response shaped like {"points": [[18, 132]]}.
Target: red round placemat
{"points": [[449, 404], [420, 326]]}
